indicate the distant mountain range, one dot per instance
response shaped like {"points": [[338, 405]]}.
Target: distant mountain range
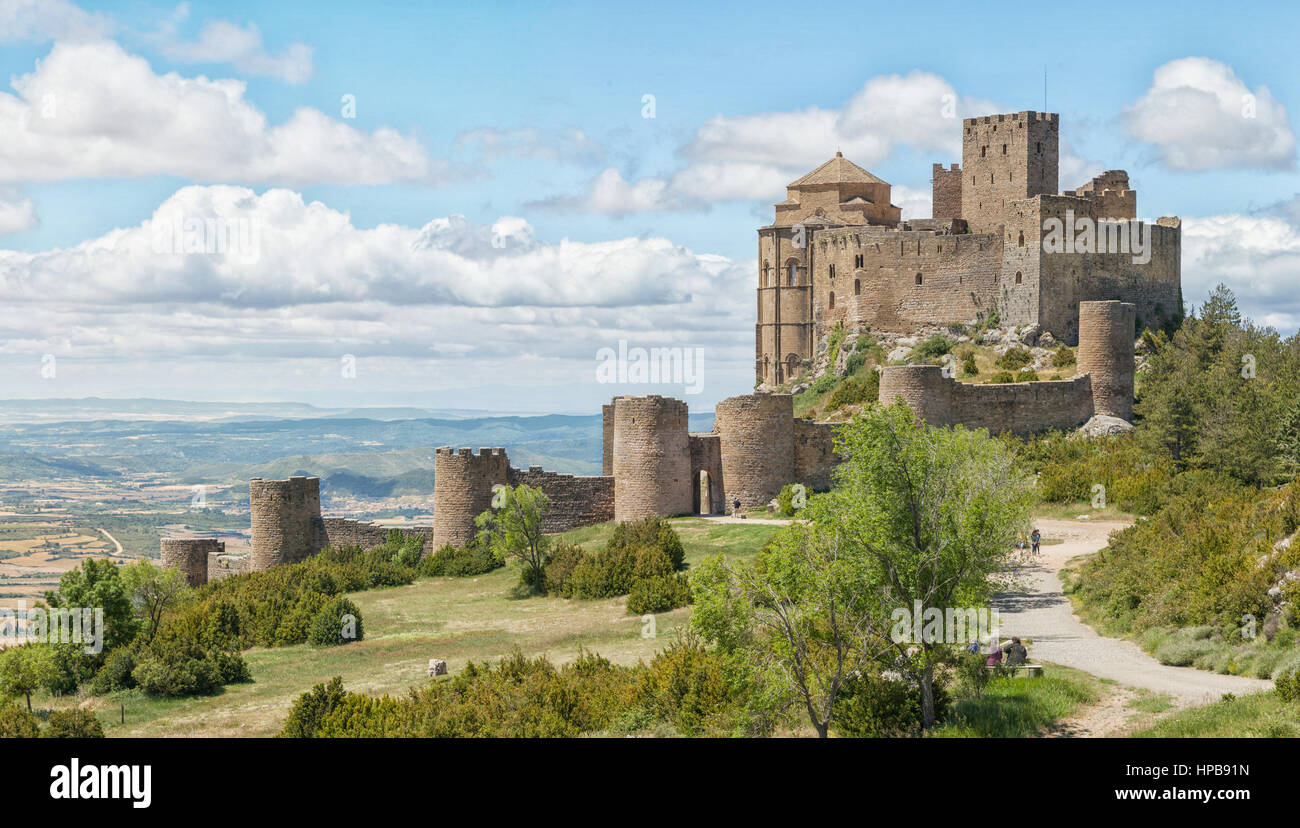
{"points": [[371, 452]]}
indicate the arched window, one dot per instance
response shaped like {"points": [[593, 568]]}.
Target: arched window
{"points": [[791, 366], [918, 278], [763, 281], [1019, 278], [857, 287], [792, 273], [832, 303]]}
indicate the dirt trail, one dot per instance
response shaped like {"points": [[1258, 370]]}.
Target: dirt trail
{"points": [[1045, 614]]}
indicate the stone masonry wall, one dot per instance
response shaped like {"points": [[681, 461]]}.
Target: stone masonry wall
{"points": [[575, 500], [898, 280], [285, 517], [758, 447], [1005, 158], [945, 192], [706, 458], [652, 473], [1106, 334], [814, 454], [1020, 408], [190, 557], [462, 490]]}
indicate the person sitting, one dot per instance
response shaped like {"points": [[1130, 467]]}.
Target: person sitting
{"points": [[995, 655], [1016, 652]]}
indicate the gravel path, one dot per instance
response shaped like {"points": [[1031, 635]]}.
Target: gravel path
{"points": [[1044, 613]]}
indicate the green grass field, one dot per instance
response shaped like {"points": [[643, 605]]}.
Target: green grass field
{"points": [[456, 619], [1258, 715], [1021, 706]]}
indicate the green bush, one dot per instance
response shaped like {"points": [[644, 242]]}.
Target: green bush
{"points": [[653, 531], [685, 685], [823, 384], [855, 363], [194, 653], [658, 593], [1013, 359], [870, 705], [474, 558], [311, 708], [865, 342], [338, 622], [1288, 687], [1002, 377], [785, 506], [1063, 357], [116, 672], [968, 365], [73, 724], [935, 346], [16, 722], [1027, 375], [854, 391]]}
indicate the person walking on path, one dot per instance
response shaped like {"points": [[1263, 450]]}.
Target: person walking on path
{"points": [[1035, 537]]}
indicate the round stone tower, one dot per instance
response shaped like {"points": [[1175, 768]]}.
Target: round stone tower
{"points": [[286, 521], [1106, 333], [652, 458], [462, 490], [757, 436], [923, 387], [190, 557]]}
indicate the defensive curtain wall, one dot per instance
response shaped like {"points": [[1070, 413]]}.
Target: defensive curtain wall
{"points": [[1104, 384], [654, 466]]}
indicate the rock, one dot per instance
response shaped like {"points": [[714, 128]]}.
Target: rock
{"points": [[437, 667], [1047, 340], [1103, 425], [1030, 335], [901, 352]]}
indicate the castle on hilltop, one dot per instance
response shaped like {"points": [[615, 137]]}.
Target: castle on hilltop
{"points": [[839, 252]]}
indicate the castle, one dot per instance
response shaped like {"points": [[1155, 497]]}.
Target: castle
{"points": [[839, 252], [651, 466]]}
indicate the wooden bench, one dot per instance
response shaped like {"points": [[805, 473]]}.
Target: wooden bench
{"points": [[1031, 670]]}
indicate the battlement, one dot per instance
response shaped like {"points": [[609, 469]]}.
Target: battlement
{"points": [[1025, 115]]}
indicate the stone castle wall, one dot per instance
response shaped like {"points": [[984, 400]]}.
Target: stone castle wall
{"points": [[898, 280], [462, 489], [814, 454], [1005, 158], [1106, 334], [706, 459], [190, 557], [575, 500], [286, 521], [945, 192], [757, 434], [1104, 384], [652, 474]]}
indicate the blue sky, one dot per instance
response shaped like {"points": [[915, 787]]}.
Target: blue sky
{"points": [[616, 226]]}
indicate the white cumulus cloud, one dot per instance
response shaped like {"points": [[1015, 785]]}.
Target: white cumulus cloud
{"points": [[1199, 115]]}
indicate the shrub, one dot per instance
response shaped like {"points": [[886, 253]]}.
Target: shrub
{"points": [[1003, 377], [654, 531], [823, 384], [1013, 359], [686, 685], [182, 677], [1027, 375], [870, 705], [474, 558], [853, 391], [338, 622], [957, 329], [935, 346], [16, 722], [785, 505], [116, 672], [194, 652], [968, 365], [73, 724], [1288, 687], [311, 707], [658, 593], [864, 342], [855, 363], [1063, 357]]}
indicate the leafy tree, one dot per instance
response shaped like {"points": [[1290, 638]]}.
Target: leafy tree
{"points": [[931, 515], [802, 617], [17, 723], [26, 669], [98, 585], [515, 530], [153, 591]]}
